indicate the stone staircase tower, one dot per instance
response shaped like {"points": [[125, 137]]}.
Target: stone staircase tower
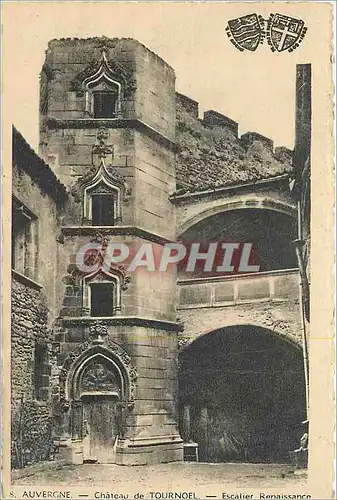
{"points": [[107, 127]]}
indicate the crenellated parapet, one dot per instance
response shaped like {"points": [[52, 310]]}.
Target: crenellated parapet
{"points": [[211, 154]]}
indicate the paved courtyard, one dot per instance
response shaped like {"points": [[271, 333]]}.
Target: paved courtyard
{"points": [[169, 477]]}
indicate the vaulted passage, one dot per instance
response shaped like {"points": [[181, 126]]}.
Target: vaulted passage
{"points": [[270, 233], [242, 395]]}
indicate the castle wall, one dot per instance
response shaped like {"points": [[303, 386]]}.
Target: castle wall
{"points": [[155, 153], [35, 295], [31, 419], [47, 250]]}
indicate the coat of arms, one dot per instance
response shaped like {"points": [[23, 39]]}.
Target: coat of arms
{"points": [[284, 32], [246, 32]]}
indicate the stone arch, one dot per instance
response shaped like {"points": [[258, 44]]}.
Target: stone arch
{"points": [[270, 226], [263, 203], [185, 342], [113, 355], [242, 396], [76, 374]]}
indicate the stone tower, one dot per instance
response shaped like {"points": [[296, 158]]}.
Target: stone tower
{"points": [[107, 126]]}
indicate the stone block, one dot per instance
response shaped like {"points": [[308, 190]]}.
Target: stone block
{"points": [[224, 291], [213, 118], [249, 137], [286, 287], [195, 294], [254, 288]]}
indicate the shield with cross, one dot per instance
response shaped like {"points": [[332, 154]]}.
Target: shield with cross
{"points": [[284, 32]]}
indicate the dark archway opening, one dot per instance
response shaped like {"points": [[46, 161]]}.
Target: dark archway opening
{"points": [[242, 395], [271, 234]]}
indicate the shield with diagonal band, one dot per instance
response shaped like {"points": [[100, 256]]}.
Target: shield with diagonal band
{"points": [[246, 32], [284, 32]]}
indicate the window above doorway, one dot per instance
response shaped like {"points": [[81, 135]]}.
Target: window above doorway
{"points": [[24, 239]]}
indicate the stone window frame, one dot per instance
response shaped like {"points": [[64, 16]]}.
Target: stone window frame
{"points": [[102, 180], [28, 239], [41, 372], [101, 80], [102, 277]]}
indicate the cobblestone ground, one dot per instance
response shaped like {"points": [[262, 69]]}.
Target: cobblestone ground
{"points": [[170, 477]]}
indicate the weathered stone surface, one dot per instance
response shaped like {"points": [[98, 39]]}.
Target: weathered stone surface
{"points": [[31, 420], [140, 341], [213, 157]]}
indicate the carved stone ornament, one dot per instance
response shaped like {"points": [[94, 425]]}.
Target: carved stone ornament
{"points": [[102, 149], [122, 73], [98, 377], [182, 341], [115, 175], [127, 193], [118, 351], [100, 189], [98, 331]]}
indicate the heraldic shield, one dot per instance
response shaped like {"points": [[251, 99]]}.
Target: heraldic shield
{"points": [[246, 32], [285, 33]]}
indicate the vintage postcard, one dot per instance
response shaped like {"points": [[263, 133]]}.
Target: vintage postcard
{"points": [[168, 250]]}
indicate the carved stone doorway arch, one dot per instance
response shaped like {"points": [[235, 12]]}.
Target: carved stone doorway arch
{"points": [[98, 384], [98, 390]]}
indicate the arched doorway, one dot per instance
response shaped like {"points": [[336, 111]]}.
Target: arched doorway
{"points": [[98, 386], [242, 395], [99, 390]]}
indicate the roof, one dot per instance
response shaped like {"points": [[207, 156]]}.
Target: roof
{"points": [[26, 159]]}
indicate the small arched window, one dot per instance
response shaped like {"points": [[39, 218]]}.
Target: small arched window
{"points": [[103, 203], [103, 99], [102, 200], [103, 94], [102, 300], [102, 294]]}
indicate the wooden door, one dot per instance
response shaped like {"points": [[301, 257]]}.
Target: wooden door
{"points": [[99, 427]]}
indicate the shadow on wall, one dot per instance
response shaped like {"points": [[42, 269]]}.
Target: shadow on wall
{"points": [[245, 393], [271, 234]]}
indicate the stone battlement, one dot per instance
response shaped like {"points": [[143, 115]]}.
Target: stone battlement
{"points": [[213, 118]]}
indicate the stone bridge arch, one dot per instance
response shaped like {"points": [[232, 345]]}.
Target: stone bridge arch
{"points": [[195, 212], [294, 340]]}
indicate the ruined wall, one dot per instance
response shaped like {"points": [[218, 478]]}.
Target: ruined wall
{"points": [[210, 153]]}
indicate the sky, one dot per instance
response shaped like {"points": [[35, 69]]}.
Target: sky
{"points": [[256, 89]]}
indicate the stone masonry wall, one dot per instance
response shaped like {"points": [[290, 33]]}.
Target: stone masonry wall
{"points": [[210, 154], [281, 317], [34, 309], [48, 251], [31, 419]]}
